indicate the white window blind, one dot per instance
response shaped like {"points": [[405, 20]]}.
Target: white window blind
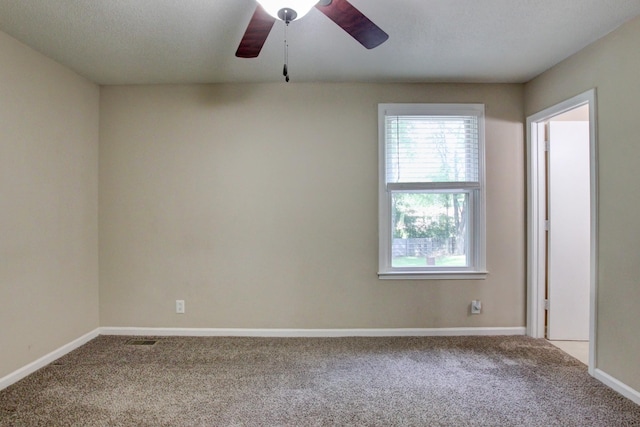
{"points": [[421, 149]]}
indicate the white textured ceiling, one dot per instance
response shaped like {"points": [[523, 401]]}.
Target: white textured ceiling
{"points": [[194, 41]]}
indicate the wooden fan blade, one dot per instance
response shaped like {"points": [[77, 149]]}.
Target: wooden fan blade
{"points": [[256, 34], [354, 22]]}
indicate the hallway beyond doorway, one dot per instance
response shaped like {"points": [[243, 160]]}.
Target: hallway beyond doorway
{"points": [[576, 349]]}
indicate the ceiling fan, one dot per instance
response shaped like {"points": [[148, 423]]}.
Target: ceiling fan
{"points": [[341, 12]]}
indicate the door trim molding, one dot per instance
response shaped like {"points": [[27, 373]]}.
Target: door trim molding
{"points": [[536, 208]]}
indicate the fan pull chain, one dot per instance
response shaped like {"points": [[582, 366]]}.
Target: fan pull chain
{"points": [[285, 70]]}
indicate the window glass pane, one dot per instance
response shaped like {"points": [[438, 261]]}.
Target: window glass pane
{"points": [[431, 149], [429, 229]]}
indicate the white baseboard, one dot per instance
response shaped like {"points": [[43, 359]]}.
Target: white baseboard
{"points": [[617, 385], [16, 376], [235, 332]]}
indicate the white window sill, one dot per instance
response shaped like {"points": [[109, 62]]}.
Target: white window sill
{"points": [[434, 275]]}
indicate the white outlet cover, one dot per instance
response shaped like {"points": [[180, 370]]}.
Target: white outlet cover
{"points": [[476, 306], [180, 309]]}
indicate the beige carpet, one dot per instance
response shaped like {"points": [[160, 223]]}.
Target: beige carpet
{"points": [[434, 381]]}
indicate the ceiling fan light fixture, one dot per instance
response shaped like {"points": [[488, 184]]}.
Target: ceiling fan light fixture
{"points": [[300, 7]]}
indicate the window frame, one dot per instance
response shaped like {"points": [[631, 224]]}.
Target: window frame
{"points": [[476, 198]]}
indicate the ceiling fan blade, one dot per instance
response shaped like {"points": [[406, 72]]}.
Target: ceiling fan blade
{"points": [[256, 34], [353, 22]]}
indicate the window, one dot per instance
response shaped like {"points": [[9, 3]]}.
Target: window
{"points": [[431, 191]]}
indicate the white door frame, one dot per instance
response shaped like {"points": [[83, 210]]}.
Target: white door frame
{"points": [[536, 210]]}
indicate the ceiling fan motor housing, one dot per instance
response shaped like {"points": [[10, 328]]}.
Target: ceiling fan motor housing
{"points": [[287, 15]]}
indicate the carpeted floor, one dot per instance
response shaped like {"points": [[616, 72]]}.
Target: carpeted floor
{"points": [[431, 381]]}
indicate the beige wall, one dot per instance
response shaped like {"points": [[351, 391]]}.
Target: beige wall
{"points": [[612, 65], [257, 204], [48, 199]]}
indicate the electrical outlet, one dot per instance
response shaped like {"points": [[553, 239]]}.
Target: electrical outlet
{"points": [[476, 306], [180, 306]]}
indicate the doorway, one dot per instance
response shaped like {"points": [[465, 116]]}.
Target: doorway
{"points": [[562, 223]]}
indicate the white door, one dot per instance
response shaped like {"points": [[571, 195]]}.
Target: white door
{"points": [[569, 231]]}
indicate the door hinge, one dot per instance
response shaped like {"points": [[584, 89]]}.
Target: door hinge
{"points": [[547, 225], [546, 146], [546, 304]]}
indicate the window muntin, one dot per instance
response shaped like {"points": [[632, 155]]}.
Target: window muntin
{"points": [[431, 189]]}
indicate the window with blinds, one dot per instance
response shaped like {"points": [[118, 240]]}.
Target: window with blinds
{"points": [[431, 190]]}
